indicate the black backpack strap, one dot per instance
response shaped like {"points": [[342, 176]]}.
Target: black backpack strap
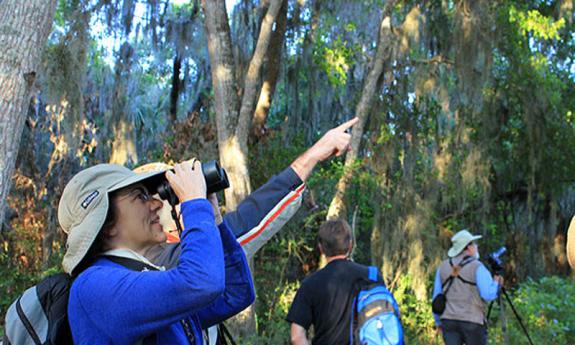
{"points": [[224, 335], [131, 264], [27, 324], [466, 281], [466, 260], [447, 281], [353, 295], [136, 265]]}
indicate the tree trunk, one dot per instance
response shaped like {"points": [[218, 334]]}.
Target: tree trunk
{"points": [[384, 49], [272, 72], [233, 155], [233, 125], [123, 145], [232, 117], [253, 76], [175, 93], [24, 29]]}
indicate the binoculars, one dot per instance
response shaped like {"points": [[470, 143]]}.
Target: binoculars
{"points": [[215, 176]]}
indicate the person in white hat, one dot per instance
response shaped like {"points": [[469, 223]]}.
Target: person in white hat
{"points": [[467, 286], [118, 296]]}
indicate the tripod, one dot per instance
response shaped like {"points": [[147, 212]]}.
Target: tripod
{"points": [[504, 292]]}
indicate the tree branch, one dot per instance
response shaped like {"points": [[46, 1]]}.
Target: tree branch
{"points": [[252, 80]]}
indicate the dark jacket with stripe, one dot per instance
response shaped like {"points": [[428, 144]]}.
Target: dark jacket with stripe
{"points": [[258, 217]]}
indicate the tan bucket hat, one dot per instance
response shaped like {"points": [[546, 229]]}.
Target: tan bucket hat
{"points": [[84, 205], [152, 167], [571, 243], [459, 241]]}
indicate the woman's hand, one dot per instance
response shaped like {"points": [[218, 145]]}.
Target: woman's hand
{"points": [[187, 180]]}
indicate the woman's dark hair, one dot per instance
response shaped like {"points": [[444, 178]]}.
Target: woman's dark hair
{"points": [[98, 246]]}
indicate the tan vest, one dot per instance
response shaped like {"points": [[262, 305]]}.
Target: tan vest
{"points": [[463, 300]]}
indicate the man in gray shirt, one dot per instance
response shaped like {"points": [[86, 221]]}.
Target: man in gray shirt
{"points": [[463, 321]]}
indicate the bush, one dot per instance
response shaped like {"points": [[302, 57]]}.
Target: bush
{"points": [[416, 316], [546, 309]]}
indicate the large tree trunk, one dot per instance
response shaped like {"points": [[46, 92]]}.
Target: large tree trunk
{"points": [[233, 155], [384, 49], [24, 29], [232, 117]]}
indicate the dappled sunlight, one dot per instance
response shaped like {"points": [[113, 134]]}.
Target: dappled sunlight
{"points": [[467, 121], [411, 29], [442, 162], [475, 170], [222, 72], [416, 269], [235, 163], [57, 138], [123, 147], [406, 243]]}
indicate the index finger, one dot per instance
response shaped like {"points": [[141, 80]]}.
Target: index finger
{"points": [[348, 124]]}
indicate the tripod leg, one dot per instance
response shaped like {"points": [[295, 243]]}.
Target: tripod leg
{"points": [[489, 310], [516, 315], [503, 320]]}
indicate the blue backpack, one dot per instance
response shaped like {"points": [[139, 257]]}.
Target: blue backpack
{"points": [[375, 315]]}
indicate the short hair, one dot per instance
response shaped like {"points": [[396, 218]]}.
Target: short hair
{"points": [[335, 237]]}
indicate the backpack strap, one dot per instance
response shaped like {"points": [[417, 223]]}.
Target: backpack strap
{"points": [[131, 264], [224, 335], [466, 260], [353, 320], [372, 273], [456, 269]]}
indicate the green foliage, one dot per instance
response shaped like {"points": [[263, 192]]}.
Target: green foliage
{"points": [[15, 279], [335, 59], [416, 316], [271, 157], [429, 165], [533, 22], [19, 272], [546, 308]]}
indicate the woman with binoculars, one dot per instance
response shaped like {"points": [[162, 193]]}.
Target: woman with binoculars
{"points": [[118, 296]]}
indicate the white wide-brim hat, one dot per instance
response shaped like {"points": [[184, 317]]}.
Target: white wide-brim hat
{"points": [[84, 205], [459, 241]]}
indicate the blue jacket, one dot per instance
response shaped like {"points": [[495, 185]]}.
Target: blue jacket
{"points": [[110, 304]]}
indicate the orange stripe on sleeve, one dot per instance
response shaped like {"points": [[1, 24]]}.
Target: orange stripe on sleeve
{"points": [[274, 215]]}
